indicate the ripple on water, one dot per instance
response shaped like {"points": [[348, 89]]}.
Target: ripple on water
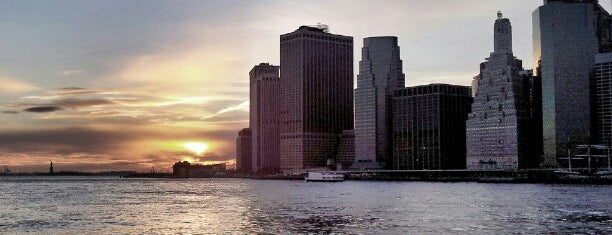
{"points": [[110, 205]]}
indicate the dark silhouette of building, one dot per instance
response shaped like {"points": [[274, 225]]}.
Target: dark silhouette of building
{"points": [[316, 96], [380, 73], [51, 167], [429, 127], [244, 151], [533, 83], [186, 169], [566, 36], [264, 117]]}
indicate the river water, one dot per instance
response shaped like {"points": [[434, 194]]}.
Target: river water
{"points": [[75, 205]]}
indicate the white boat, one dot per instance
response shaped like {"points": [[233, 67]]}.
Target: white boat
{"points": [[324, 177]]}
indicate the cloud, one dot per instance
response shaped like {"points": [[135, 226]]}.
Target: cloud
{"points": [[77, 103], [10, 112], [215, 157], [136, 138], [235, 116], [67, 73], [42, 109], [242, 106], [66, 140], [10, 85], [74, 91]]}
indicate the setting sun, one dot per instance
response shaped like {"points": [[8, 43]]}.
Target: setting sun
{"points": [[195, 147]]}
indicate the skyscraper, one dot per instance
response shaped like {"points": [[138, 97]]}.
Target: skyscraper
{"points": [[474, 84], [498, 126], [566, 36], [264, 117], [244, 151], [346, 150], [316, 96], [380, 73], [429, 127], [603, 100]]}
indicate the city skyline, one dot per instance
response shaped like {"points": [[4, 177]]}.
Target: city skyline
{"points": [[78, 87]]}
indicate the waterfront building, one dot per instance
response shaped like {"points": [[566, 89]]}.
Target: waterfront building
{"points": [[533, 83], [566, 36], [244, 151], [346, 150], [603, 98], [498, 125], [316, 96], [380, 73], [185, 169], [429, 127], [264, 118]]}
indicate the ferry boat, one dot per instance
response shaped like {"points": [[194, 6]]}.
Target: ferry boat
{"points": [[324, 177]]}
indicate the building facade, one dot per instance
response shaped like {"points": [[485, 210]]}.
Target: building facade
{"points": [[185, 169], [380, 73], [474, 84], [264, 118], [244, 150], [498, 125], [603, 98], [429, 127], [566, 36], [316, 96], [346, 150]]}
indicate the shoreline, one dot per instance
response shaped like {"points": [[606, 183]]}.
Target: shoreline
{"points": [[447, 176]]}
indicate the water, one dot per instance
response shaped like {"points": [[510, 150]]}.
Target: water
{"points": [[74, 205]]}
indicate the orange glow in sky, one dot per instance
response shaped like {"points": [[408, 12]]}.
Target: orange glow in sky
{"points": [[195, 147]]}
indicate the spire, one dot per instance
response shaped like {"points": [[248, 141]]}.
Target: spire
{"points": [[502, 32]]}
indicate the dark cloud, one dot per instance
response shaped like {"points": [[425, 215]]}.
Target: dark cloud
{"points": [[10, 112], [64, 140], [73, 103], [215, 157], [79, 103], [42, 109], [95, 141]]}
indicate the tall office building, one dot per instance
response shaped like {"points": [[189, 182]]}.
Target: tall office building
{"points": [[264, 117], [566, 36], [429, 127], [244, 151], [533, 83], [603, 98], [346, 150], [498, 126], [380, 73], [316, 96], [474, 84]]}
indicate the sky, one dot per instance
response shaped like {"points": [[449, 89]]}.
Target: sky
{"points": [[138, 85]]}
